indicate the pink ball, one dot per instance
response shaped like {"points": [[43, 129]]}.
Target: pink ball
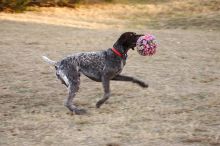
{"points": [[146, 45]]}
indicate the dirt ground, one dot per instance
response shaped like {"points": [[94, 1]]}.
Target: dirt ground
{"points": [[181, 107]]}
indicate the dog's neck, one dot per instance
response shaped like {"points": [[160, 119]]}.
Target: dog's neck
{"points": [[121, 49]]}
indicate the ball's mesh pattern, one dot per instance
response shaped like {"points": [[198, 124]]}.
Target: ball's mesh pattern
{"points": [[146, 45]]}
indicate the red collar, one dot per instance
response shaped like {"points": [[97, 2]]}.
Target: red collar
{"points": [[117, 52]]}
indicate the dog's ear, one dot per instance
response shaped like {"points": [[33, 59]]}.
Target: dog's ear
{"points": [[123, 38]]}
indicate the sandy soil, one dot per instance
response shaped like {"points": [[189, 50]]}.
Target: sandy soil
{"points": [[180, 108]]}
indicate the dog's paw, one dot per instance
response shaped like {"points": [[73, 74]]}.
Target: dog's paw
{"points": [[144, 85], [80, 111], [99, 103]]}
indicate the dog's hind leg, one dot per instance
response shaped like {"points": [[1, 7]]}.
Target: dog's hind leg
{"points": [[62, 78], [105, 83], [130, 79], [70, 77], [72, 89]]}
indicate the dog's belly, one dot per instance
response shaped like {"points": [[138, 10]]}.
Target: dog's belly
{"points": [[94, 79], [94, 75], [91, 71]]}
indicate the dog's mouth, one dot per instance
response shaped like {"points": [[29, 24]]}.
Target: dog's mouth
{"points": [[134, 45], [135, 42]]}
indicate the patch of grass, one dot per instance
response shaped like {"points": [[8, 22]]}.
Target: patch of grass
{"points": [[82, 121], [176, 14], [157, 14]]}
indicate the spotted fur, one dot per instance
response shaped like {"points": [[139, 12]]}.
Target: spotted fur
{"points": [[100, 66]]}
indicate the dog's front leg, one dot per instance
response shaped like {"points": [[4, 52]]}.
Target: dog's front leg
{"points": [[130, 79], [105, 83]]}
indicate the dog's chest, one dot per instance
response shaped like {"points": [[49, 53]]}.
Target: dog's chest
{"points": [[122, 64]]}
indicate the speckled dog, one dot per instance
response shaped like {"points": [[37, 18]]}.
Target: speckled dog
{"points": [[101, 66]]}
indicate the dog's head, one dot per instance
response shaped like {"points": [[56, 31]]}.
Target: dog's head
{"points": [[128, 40]]}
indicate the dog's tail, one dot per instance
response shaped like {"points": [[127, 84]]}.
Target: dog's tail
{"points": [[51, 62]]}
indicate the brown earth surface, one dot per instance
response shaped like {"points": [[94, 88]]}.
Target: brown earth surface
{"points": [[181, 107]]}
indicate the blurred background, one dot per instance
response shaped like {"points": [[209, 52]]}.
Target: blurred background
{"points": [[199, 14]]}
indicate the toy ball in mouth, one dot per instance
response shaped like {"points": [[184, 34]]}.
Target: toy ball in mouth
{"points": [[146, 45]]}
